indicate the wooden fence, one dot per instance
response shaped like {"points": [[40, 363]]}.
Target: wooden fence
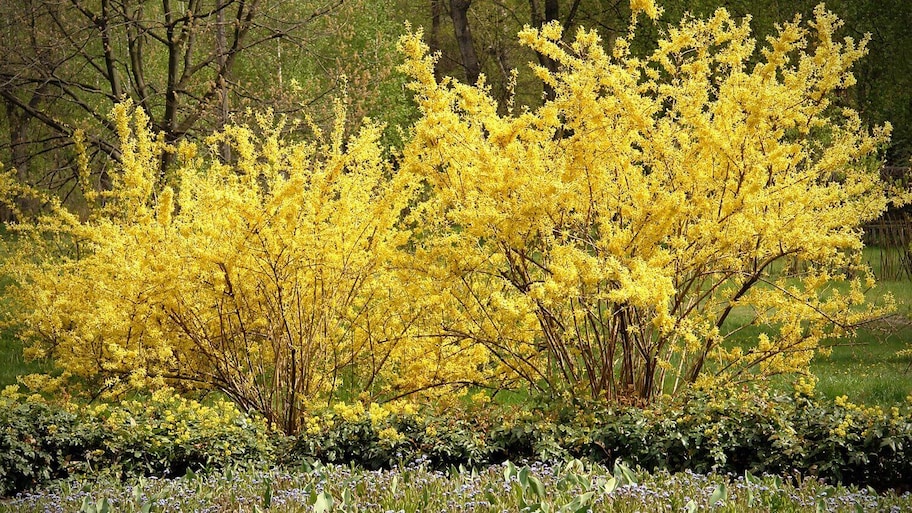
{"points": [[890, 238]]}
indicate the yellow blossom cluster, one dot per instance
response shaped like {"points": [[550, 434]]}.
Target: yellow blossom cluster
{"points": [[273, 277]]}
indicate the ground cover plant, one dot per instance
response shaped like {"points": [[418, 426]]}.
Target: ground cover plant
{"points": [[164, 434], [761, 433], [569, 487]]}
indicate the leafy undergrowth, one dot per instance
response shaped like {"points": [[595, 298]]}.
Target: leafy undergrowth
{"points": [[562, 487], [167, 435]]}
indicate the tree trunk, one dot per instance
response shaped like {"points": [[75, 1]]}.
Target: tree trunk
{"points": [[552, 13], [459, 10], [434, 36]]}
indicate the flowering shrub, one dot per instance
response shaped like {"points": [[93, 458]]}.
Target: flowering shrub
{"points": [[270, 278], [595, 246], [598, 244]]}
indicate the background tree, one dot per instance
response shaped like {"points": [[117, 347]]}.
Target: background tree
{"points": [[480, 38], [188, 64], [193, 65]]}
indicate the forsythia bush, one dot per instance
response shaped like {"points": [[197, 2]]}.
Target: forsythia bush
{"points": [[599, 245], [601, 242], [269, 278]]}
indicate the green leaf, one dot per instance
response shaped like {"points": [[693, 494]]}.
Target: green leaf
{"points": [[611, 485], [524, 477], [267, 494], [324, 503], [624, 474], [538, 488], [509, 471], [580, 504], [720, 494], [822, 505]]}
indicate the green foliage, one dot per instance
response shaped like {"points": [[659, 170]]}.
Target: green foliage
{"points": [[566, 487], [701, 432], [437, 441], [164, 435], [749, 432], [837, 441], [39, 442]]}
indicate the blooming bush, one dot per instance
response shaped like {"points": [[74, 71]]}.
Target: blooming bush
{"points": [[596, 247], [599, 244]]}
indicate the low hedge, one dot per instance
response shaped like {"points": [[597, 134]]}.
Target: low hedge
{"points": [[165, 434], [746, 432]]}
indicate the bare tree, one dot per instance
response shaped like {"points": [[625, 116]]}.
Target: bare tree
{"points": [[67, 62]]}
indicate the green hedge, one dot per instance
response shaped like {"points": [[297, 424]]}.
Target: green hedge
{"points": [[162, 435], [747, 432], [39, 442], [753, 432]]}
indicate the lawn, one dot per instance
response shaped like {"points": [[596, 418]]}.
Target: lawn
{"points": [[867, 368]]}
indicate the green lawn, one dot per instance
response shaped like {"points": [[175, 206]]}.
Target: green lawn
{"points": [[12, 363], [867, 369]]}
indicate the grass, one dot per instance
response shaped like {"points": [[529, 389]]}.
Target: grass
{"points": [[12, 363], [865, 368], [868, 371], [568, 487]]}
